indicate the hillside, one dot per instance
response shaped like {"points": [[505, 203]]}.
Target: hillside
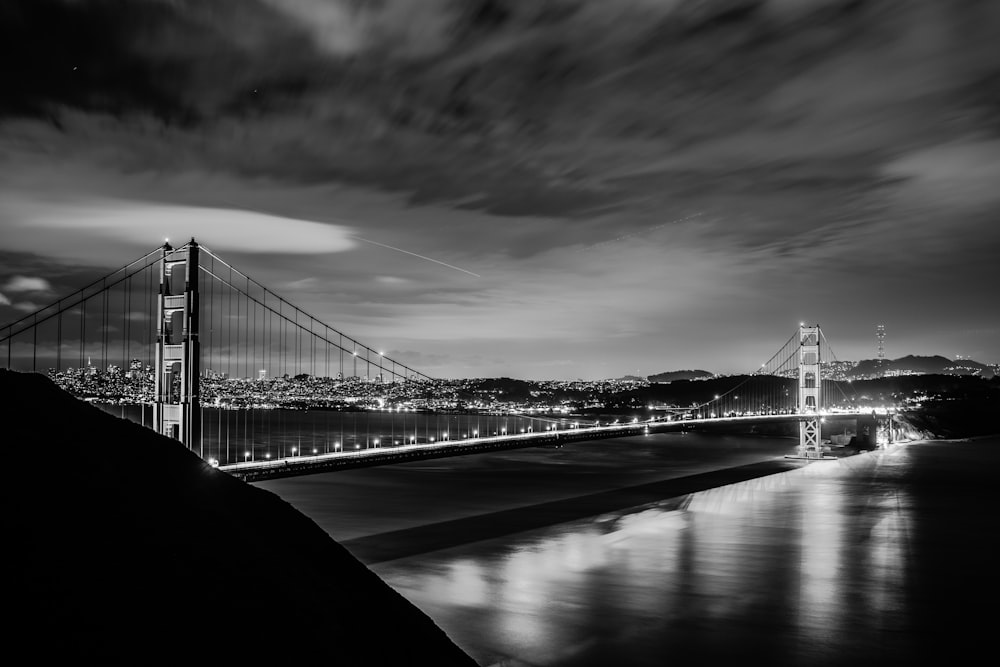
{"points": [[125, 547], [917, 364], [673, 376]]}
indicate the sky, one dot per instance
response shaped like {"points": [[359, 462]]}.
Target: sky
{"points": [[555, 189]]}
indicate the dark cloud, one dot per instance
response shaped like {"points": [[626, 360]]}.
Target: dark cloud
{"points": [[180, 60], [534, 108], [558, 149]]}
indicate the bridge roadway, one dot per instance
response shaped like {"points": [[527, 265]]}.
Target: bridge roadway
{"points": [[255, 471]]}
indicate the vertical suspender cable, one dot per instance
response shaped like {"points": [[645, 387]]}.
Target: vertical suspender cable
{"points": [[104, 335], [83, 330], [203, 282], [59, 343]]}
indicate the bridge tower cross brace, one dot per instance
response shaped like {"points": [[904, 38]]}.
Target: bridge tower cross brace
{"points": [[810, 444], [178, 355]]}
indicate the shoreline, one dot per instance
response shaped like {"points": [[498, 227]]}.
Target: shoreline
{"points": [[383, 547], [406, 542]]}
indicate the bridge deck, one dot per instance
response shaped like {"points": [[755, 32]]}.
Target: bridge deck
{"points": [[252, 471]]}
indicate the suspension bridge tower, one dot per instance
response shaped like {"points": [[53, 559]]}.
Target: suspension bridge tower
{"points": [[176, 390], [810, 444]]}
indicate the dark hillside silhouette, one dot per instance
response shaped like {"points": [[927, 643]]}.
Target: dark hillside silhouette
{"points": [[123, 546]]}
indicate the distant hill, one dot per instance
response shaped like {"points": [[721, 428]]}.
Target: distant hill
{"points": [[126, 548], [671, 376], [917, 364]]}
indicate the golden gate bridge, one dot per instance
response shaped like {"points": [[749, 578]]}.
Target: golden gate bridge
{"points": [[201, 352]]}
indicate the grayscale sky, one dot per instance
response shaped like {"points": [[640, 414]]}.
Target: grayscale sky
{"points": [[546, 189]]}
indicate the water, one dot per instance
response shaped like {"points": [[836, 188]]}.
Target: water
{"points": [[884, 558], [230, 436]]}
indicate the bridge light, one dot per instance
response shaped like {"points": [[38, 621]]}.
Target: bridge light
{"points": [[375, 442], [315, 451]]}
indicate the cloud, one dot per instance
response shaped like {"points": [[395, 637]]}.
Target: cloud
{"points": [[958, 175], [4, 301], [392, 280], [27, 284], [27, 306], [401, 28], [302, 284], [548, 147], [77, 227]]}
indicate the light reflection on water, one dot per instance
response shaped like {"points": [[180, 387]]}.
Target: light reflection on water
{"points": [[793, 568]]}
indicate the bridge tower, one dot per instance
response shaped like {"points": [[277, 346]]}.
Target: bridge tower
{"points": [[176, 389], [810, 444]]}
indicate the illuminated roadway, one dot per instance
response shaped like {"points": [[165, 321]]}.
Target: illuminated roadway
{"points": [[377, 455]]}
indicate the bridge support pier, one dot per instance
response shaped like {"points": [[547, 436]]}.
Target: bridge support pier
{"points": [[810, 442], [176, 388]]}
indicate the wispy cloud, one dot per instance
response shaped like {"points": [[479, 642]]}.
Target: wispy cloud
{"points": [[26, 306], [27, 284], [82, 225]]}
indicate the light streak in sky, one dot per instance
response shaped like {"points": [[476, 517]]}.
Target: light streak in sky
{"points": [[643, 231], [351, 223], [407, 252]]}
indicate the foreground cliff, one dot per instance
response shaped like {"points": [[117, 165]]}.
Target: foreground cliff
{"points": [[122, 546]]}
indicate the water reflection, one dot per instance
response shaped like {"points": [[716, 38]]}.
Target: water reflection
{"points": [[793, 568]]}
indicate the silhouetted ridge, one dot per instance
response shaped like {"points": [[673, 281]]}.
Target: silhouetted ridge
{"points": [[672, 376], [125, 547]]}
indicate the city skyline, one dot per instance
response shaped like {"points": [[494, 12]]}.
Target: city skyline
{"points": [[487, 195]]}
